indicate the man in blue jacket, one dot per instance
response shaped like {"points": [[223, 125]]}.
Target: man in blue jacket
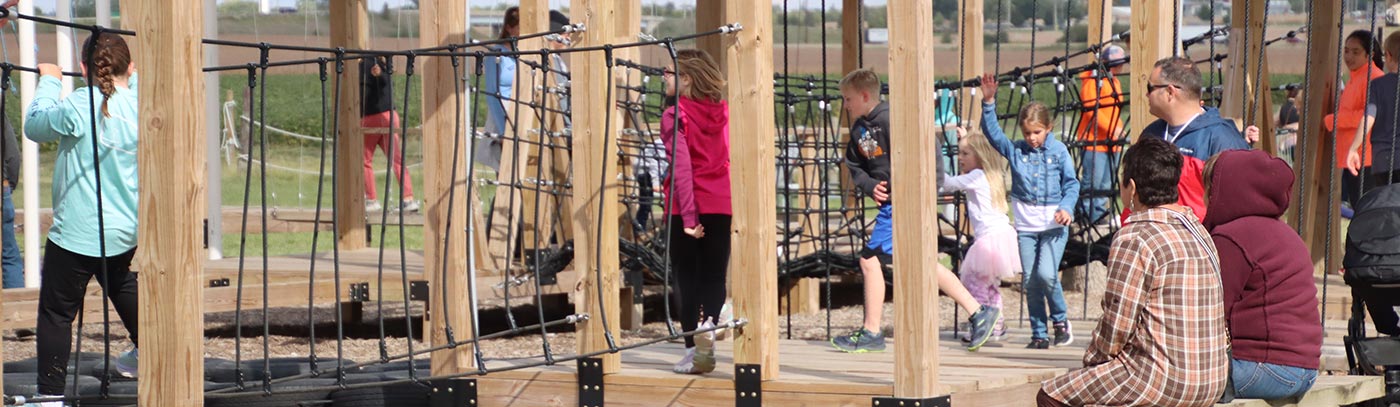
{"points": [[1174, 97]]}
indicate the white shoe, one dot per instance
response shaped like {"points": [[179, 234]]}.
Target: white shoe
{"points": [[726, 314], [687, 363], [372, 205], [126, 364], [705, 349], [46, 403], [410, 205]]}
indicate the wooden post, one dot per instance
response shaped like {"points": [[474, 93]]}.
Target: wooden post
{"points": [[594, 160], [973, 63], [1100, 22], [710, 15], [171, 168], [506, 207], [445, 248], [1241, 82], [913, 179], [350, 29], [753, 264], [851, 38], [1151, 41], [629, 23], [1321, 180]]}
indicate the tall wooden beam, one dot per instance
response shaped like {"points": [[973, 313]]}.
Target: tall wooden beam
{"points": [[1151, 41], [350, 29], [913, 180], [171, 168], [1249, 71], [1322, 190], [850, 35], [710, 15], [445, 242], [595, 180], [1100, 21], [534, 17], [507, 207], [970, 33], [629, 24], [754, 262]]}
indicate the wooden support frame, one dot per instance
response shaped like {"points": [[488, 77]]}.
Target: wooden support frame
{"points": [[445, 245], [171, 167], [708, 16], [749, 69], [1241, 81], [595, 134], [507, 207], [912, 116], [628, 22], [851, 42], [350, 29], [1151, 41], [1321, 178], [1100, 22], [974, 60]]}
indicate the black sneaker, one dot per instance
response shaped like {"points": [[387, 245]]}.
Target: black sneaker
{"points": [[980, 326], [860, 341], [1063, 336], [1038, 343]]}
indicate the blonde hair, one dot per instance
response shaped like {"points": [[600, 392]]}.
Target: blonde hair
{"points": [[706, 83], [1035, 113], [993, 165], [863, 80]]}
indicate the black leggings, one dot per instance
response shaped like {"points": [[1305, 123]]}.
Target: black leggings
{"points": [[700, 266], [65, 279]]}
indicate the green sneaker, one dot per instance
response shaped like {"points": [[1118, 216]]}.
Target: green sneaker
{"points": [[860, 341]]}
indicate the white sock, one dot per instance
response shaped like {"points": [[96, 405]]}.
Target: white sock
{"points": [[687, 363]]}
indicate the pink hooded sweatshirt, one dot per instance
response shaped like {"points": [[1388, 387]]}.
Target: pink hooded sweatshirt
{"points": [[699, 152]]}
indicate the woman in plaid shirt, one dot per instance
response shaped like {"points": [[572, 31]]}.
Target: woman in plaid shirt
{"points": [[1161, 340]]}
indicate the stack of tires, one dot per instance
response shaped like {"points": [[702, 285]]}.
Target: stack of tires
{"points": [[21, 378]]}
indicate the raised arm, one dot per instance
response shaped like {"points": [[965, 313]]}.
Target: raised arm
{"points": [[990, 126]]}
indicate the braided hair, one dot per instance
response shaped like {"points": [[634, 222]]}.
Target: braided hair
{"points": [[107, 57]]}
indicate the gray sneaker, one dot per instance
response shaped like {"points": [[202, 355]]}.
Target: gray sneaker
{"points": [[126, 364], [980, 325], [860, 341]]}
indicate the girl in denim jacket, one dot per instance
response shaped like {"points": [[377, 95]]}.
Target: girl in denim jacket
{"points": [[1044, 191]]}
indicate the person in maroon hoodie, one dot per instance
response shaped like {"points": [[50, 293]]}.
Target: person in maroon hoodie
{"points": [[1270, 296], [695, 130]]}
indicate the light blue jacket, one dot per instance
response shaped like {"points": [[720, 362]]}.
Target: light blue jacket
{"points": [[69, 122], [1039, 176]]}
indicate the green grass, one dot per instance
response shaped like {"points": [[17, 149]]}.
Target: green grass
{"points": [[282, 244]]}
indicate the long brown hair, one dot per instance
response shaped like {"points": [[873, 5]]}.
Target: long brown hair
{"points": [[106, 57], [512, 19], [706, 83]]}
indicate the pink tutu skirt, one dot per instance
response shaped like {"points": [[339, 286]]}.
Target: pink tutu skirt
{"points": [[992, 257]]}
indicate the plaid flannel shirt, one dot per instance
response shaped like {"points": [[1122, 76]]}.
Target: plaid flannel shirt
{"points": [[1161, 340]]}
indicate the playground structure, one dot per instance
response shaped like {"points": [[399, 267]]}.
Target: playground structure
{"points": [[559, 197]]}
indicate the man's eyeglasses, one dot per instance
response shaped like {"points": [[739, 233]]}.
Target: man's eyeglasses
{"points": [[1153, 88]]}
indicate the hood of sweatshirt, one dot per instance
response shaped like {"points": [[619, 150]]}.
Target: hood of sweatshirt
{"points": [[1247, 183], [710, 118]]}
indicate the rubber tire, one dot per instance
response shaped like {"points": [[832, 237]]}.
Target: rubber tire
{"points": [[27, 384], [285, 394], [401, 394]]}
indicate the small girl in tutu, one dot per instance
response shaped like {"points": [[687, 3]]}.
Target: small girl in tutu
{"points": [[994, 253]]}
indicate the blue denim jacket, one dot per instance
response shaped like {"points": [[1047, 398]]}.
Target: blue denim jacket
{"points": [[1039, 176]]}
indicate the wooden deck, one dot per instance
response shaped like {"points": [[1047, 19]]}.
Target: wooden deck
{"points": [[812, 373]]}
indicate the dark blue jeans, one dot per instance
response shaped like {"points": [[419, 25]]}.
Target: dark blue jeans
{"points": [[13, 275]]}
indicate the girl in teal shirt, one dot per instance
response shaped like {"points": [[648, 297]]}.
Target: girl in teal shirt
{"points": [[77, 246]]}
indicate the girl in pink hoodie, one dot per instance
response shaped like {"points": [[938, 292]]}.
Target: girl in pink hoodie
{"points": [[695, 130]]}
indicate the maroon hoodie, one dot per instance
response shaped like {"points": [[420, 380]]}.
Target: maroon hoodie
{"points": [[1270, 297], [699, 154]]}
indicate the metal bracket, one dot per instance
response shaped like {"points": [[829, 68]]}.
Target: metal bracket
{"points": [[359, 292], [635, 280], [418, 290], [590, 381], [219, 282], [748, 385], [456, 392], [940, 401]]}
